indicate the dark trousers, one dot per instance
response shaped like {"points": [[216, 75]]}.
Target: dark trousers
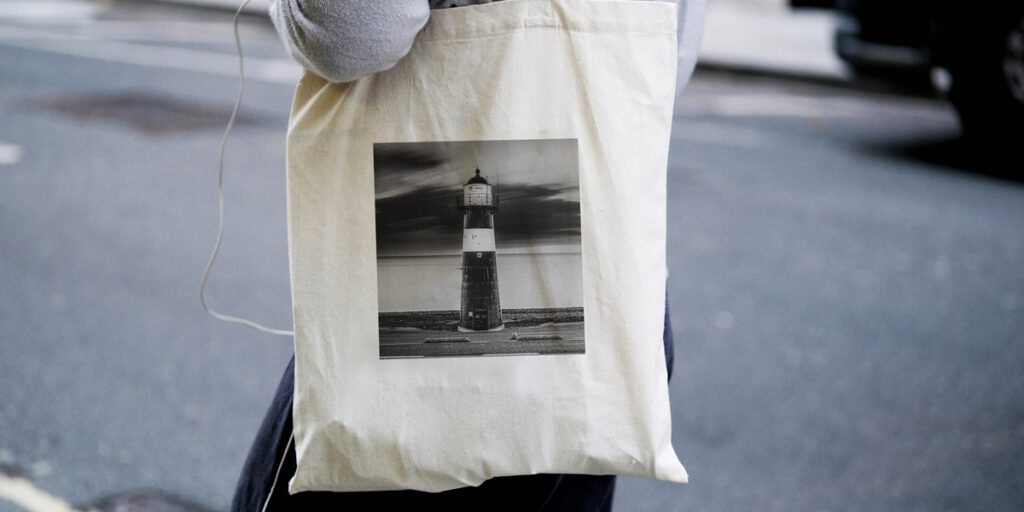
{"points": [[546, 493]]}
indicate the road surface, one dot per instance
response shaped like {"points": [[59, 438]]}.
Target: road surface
{"points": [[846, 284]]}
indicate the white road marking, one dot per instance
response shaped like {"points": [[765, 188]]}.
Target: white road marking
{"points": [[116, 30], [22, 493], [47, 10], [280, 71], [10, 154]]}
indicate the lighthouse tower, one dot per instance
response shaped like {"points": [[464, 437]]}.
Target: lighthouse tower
{"points": [[481, 310]]}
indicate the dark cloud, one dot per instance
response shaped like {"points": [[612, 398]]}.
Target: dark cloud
{"points": [[404, 157], [536, 214], [426, 220]]}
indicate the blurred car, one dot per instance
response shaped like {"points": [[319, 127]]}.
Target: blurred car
{"points": [[980, 45]]}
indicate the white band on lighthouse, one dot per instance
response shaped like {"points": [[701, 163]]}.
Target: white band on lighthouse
{"points": [[478, 240]]}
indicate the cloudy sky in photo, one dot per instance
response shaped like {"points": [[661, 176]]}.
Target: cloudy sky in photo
{"points": [[416, 185]]}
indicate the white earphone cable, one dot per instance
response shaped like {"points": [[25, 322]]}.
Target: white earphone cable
{"points": [[220, 196], [277, 474]]}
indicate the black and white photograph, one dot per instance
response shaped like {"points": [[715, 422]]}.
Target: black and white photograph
{"points": [[478, 248]]}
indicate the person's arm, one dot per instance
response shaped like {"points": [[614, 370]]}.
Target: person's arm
{"points": [[342, 40]]}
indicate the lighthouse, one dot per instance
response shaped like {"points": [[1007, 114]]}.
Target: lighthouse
{"points": [[481, 309]]}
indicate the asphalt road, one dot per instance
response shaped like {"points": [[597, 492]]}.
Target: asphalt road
{"points": [[846, 282]]}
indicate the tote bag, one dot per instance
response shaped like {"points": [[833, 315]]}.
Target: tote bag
{"points": [[477, 248]]}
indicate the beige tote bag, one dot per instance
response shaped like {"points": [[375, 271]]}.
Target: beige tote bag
{"points": [[477, 242]]}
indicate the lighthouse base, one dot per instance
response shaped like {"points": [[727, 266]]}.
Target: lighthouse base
{"points": [[493, 329]]}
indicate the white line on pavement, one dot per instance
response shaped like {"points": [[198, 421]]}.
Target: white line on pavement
{"points": [[151, 32], [280, 71], [22, 493], [10, 154], [49, 10]]}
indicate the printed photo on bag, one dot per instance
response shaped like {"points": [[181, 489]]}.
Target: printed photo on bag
{"points": [[478, 248]]}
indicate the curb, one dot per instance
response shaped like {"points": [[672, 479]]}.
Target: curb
{"points": [[781, 73], [854, 83]]}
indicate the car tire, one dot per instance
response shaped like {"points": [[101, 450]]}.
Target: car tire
{"points": [[988, 80]]}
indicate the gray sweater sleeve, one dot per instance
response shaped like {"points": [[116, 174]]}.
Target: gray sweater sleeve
{"points": [[342, 40]]}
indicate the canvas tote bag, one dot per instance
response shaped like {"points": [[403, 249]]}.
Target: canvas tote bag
{"points": [[477, 248]]}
